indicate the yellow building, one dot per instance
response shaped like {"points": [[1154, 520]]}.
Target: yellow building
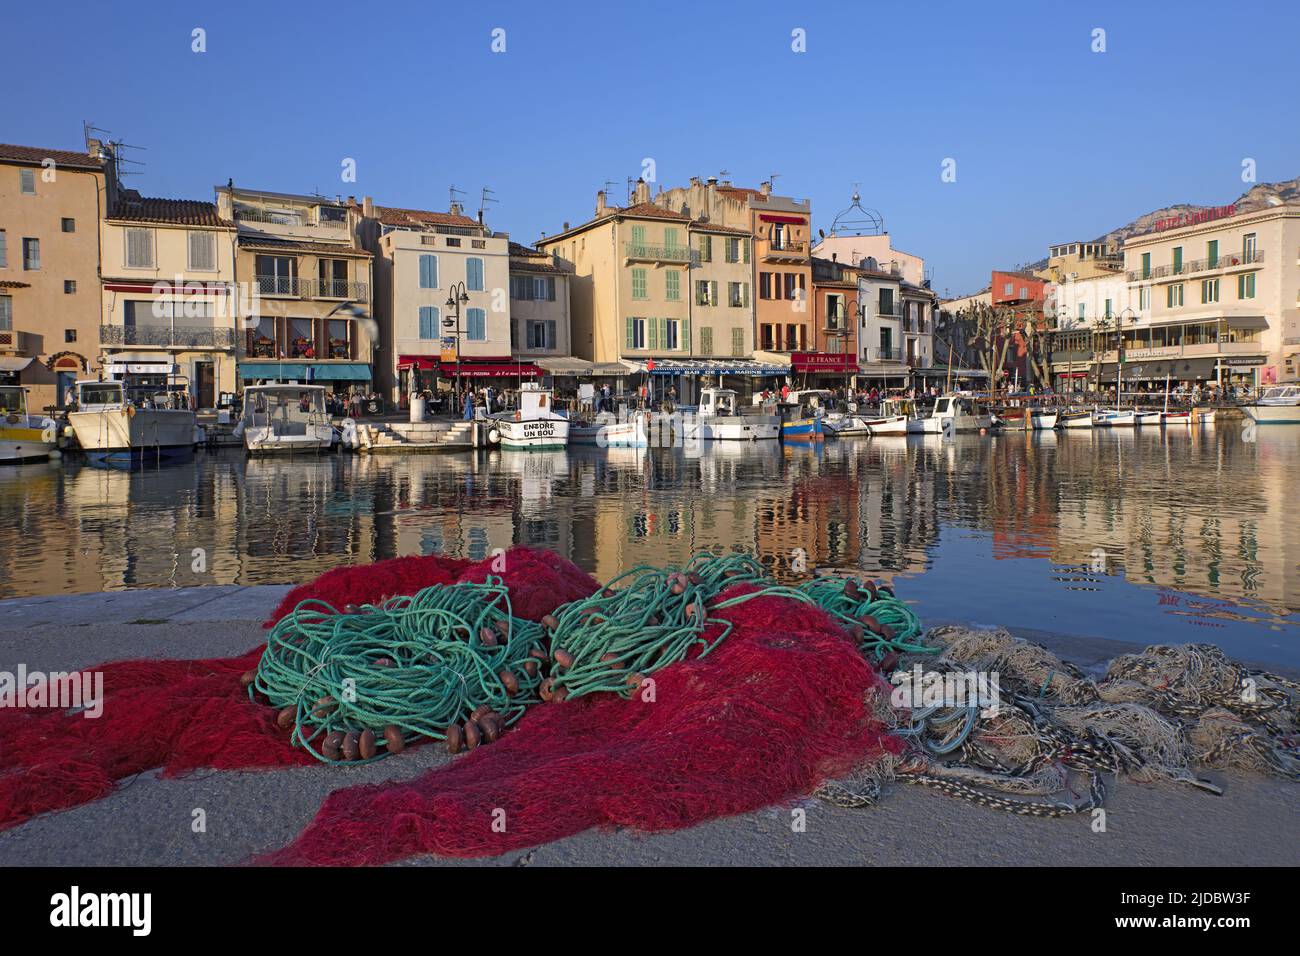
{"points": [[50, 204], [170, 306], [299, 259], [1067, 261]]}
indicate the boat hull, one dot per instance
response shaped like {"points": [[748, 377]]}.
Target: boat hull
{"points": [[1075, 420], [116, 432], [611, 433], [532, 434], [25, 442], [1113, 418], [1272, 414], [961, 423], [264, 441], [738, 428], [889, 425], [803, 429]]}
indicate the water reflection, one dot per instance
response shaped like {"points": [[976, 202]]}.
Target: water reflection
{"points": [[1105, 531]]}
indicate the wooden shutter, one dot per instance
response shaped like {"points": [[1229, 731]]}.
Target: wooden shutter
{"points": [[684, 341]]}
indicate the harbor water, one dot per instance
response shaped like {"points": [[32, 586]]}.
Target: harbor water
{"points": [[1147, 536]]}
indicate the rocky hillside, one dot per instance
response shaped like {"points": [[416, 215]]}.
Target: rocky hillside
{"points": [[1257, 197]]}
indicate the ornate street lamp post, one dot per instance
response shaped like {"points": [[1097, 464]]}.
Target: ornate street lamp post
{"points": [[456, 296]]}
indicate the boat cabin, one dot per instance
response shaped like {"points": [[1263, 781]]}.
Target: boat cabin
{"points": [[717, 403], [286, 409]]}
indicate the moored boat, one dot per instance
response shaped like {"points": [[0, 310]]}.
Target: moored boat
{"points": [[1074, 419], [23, 437], [534, 424], [112, 430], [285, 418], [961, 411], [607, 431], [718, 418], [800, 422], [1277, 406], [1114, 418], [895, 413], [1148, 417]]}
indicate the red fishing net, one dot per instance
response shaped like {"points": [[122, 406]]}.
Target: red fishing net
{"points": [[184, 715], [781, 705]]}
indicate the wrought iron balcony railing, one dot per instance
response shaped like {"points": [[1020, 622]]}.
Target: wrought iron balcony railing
{"points": [[293, 287], [635, 250], [168, 336], [1227, 260]]}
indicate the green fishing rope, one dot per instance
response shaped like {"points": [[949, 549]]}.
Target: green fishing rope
{"points": [[851, 601], [417, 664]]}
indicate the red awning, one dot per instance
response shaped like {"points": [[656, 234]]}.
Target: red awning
{"points": [[771, 217], [831, 362], [417, 361], [489, 370]]}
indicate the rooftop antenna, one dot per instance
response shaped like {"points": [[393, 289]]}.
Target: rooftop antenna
{"points": [[483, 201], [630, 182], [117, 147], [723, 173], [453, 191], [609, 187], [772, 177]]}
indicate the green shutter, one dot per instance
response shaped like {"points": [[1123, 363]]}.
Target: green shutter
{"points": [[744, 294], [652, 329], [1212, 252], [1146, 265], [631, 322], [713, 292], [1178, 259], [685, 342], [745, 243], [638, 235], [737, 341]]}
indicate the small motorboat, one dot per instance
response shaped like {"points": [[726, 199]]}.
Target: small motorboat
{"points": [[1074, 419], [962, 411], [534, 424], [24, 437], [718, 418], [606, 431], [895, 414], [1114, 418], [285, 418], [1277, 406], [114, 430], [800, 422]]}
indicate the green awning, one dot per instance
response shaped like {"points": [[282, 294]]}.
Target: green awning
{"points": [[341, 372], [274, 371], [304, 371]]}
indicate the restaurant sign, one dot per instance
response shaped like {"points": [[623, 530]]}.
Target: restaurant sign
{"points": [[824, 362], [1195, 218]]}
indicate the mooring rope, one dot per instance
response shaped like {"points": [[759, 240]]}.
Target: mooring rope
{"points": [[878, 621]]}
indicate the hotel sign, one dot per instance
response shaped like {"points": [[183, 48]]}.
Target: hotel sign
{"points": [[1196, 218]]}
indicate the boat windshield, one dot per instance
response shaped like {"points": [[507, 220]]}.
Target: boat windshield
{"points": [[285, 404], [13, 401], [100, 393]]}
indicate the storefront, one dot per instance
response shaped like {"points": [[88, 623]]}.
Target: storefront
{"points": [[686, 377], [439, 378], [338, 377], [825, 369]]}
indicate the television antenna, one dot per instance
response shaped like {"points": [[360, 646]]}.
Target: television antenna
{"points": [[483, 201]]}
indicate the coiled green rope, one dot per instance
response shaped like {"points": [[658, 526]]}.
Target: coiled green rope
{"points": [[878, 620], [408, 668], [646, 619]]}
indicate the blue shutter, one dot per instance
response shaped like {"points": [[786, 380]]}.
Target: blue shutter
{"points": [[428, 272], [474, 274], [429, 322]]}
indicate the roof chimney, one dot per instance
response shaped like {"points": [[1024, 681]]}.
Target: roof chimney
{"points": [[765, 188], [368, 207], [642, 192], [566, 226], [600, 202], [456, 209]]}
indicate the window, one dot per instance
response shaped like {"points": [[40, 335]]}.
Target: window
{"points": [[766, 338], [474, 274], [27, 181], [1083, 312], [706, 292], [706, 341], [1008, 288], [1209, 290], [638, 236], [333, 276], [638, 284], [834, 311], [670, 239], [69, 335], [4, 249], [429, 322], [530, 288], [1174, 296], [69, 225], [706, 248], [669, 335], [738, 294], [1246, 285], [453, 241], [32, 255], [765, 285], [540, 334], [733, 250], [738, 341], [635, 333], [1178, 259], [275, 274], [1212, 253], [672, 285], [1024, 292], [139, 249], [1144, 299], [1247, 247], [1109, 311], [428, 272], [6, 313], [69, 286], [476, 325], [1146, 265], [789, 278], [203, 251]]}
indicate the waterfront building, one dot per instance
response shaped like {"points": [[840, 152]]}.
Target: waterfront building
{"points": [[443, 295], [51, 201], [1068, 261], [833, 360], [1216, 298], [299, 258], [540, 313], [917, 325], [169, 304], [880, 322], [855, 248], [642, 282]]}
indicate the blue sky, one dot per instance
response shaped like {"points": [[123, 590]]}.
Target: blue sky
{"points": [[1051, 140]]}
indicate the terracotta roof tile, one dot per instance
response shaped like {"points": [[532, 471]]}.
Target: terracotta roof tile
{"points": [[35, 155], [710, 227], [181, 212], [417, 218], [648, 210], [289, 245]]}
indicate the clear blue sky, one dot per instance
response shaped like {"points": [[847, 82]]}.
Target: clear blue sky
{"points": [[1051, 141]]}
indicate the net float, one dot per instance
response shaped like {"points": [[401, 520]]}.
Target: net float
{"points": [[538, 653], [479, 711], [473, 735], [544, 689], [503, 627], [350, 609], [530, 667], [872, 590], [612, 660], [247, 678], [560, 694], [856, 631], [889, 662], [678, 587], [870, 623], [393, 739], [455, 739], [609, 592], [330, 746], [886, 589], [366, 744], [851, 589], [694, 578], [351, 745], [510, 682], [490, 727], [653, 620], [488, 637], [286, 718], [324, 706], [550, 621], [886, 632], [383, 662], [563, 657], [634, 680]]}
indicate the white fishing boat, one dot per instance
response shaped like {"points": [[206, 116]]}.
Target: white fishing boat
{"points": [[962, 411], [112, 430], [1114, 418], [607, 431], [285, 418], [1181, 417], [24, 437], [1074, 419], [717, 419], [533, 424], [1277, 406], [1149, 417], [895, 413]]}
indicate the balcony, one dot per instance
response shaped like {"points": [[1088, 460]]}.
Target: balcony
{"points": [[168, 336], [643, 253], [786, 249], [1231, 260], [882, 355], [12, 340], [889, 310], [291, 287]]}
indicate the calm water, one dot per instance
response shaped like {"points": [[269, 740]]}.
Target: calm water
{"points": [[1144, 537]]}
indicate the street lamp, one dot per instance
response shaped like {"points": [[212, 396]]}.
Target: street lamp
{"points": [[1119, 354], [454, 302]]}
